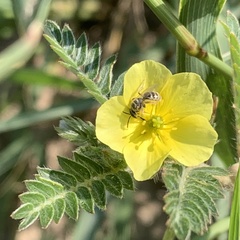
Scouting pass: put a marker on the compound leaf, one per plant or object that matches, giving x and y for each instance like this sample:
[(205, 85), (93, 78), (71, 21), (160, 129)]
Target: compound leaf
[(82, 60), (190, 201)]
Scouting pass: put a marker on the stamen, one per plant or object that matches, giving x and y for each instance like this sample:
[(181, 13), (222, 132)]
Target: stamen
[(143, 132), (157, 122)]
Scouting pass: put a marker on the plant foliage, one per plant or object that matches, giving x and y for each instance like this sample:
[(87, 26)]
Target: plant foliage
[(81, 59), (201, 22), (190, 201), (94, 169), (232, 31), (82, 181)]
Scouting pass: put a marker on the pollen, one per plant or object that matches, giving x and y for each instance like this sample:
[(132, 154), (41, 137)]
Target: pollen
[(157, 122)]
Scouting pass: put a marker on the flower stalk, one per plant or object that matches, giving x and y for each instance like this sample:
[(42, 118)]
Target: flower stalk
[(185, 38)]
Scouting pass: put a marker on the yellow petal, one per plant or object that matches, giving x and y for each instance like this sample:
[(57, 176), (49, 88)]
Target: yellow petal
[(193, 141), (144, 76), (144, 156), (186, 94), (111, 124)]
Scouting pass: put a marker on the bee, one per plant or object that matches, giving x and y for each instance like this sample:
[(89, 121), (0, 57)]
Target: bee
[(151, 97), (138, 104)]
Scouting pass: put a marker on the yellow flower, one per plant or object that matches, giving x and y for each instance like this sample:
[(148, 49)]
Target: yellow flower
[(175, 124)]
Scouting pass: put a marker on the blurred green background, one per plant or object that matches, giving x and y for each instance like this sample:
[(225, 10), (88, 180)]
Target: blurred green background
[(36, 91)]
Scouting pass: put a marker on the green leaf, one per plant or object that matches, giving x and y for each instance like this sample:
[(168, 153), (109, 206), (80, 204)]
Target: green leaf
[(235, 52), (32, 197), (51, 206), (22, 211), (117, 88), (82, 183), (58, 188), (26, 222), (77, 170), (98, 193), (92, 65), (53, 30), (194, 202), (201, 22), (190, 201), (83, 62), (183, 229), (85, 199), (77, 131), (105, 76), (39, 187), (63, 178), (213, 171), (59, 209), (232, 23), (113, 185), (44, 173), (46, 215), (219, 227), (25, 211), (205, 197), (81, 49), (72, 207), (46, 205), (232, 30), (94, 168), (126, 180), (68, 40)]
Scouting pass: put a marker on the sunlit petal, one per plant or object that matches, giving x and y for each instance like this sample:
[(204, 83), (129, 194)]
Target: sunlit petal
[(193, 140), (185, 94), (113, 126), (144, 76), (144, 156)]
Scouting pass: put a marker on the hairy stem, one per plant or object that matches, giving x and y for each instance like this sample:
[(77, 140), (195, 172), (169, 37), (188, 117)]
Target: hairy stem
[(185, 38)]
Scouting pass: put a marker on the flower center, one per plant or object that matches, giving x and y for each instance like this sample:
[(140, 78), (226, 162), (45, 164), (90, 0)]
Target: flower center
[(157, 122)]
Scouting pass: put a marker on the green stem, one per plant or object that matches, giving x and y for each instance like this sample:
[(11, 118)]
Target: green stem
[(185, 38), (169, 234), (217, 64)]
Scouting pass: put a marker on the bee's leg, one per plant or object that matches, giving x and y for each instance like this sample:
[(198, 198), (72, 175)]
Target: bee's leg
[(128, 118), (128, 121)]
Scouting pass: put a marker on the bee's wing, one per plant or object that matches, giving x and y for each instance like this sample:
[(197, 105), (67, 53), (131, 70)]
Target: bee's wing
[(143, 89)]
